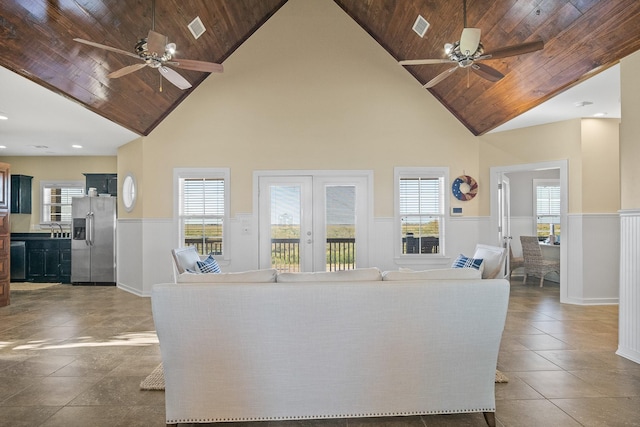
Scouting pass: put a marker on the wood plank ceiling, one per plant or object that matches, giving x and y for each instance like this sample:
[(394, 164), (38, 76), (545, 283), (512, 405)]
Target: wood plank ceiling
[(581, 37)]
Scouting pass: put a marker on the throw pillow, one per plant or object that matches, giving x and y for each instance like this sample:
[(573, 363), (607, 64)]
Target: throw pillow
[(466, 262), (208, 265)]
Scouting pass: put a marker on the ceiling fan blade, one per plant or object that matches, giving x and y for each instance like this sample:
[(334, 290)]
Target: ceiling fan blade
[(192, 64), (109, 48), (469, 41), (156, 42), (440, 77), (174, 78), (487, 72), (517, 49), (126, 70), (424, 61)]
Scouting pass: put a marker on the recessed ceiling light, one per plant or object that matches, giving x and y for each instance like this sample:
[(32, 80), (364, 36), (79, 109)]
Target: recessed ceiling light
[(3, 116), (582, 103), (599, 114), (76, 146), (2, 147)]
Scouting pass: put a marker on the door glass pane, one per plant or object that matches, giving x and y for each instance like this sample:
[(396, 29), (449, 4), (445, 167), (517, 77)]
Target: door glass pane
[(285, 227), (341, 227)]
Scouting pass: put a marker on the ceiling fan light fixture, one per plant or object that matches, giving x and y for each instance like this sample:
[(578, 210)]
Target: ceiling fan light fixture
[(448, 48), (171, 48)]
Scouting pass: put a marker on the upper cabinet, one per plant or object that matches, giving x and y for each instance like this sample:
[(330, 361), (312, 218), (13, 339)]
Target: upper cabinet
[(21, 194), (104, 183)]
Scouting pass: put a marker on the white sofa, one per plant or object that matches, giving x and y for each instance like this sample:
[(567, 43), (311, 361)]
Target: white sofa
[(329, 349)]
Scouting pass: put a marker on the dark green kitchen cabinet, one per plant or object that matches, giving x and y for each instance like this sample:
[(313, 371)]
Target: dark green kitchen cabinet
[(104, 183), (48, 260), (21, 194)]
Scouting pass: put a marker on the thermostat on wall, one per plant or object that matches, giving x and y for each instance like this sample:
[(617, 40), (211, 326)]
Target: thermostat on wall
[(456, 211)]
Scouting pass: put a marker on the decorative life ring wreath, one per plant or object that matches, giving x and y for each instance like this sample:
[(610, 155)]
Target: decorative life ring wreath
[(464, 188)]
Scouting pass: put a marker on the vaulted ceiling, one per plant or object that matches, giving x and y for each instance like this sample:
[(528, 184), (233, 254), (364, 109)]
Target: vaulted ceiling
[(581, 37)]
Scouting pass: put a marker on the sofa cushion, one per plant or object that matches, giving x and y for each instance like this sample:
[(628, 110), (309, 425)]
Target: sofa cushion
[(357, 275), (466, 262), (436, 274), (251, 276), (208, 265)]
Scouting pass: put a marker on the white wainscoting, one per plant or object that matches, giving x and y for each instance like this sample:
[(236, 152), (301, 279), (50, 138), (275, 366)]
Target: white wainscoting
[(592, 240), (629, 315)]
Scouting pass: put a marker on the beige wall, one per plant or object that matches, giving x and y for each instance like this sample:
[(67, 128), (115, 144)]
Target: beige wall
[(629, 131), (52, 168), (306, 94), (130, 161), (600, 166), (590, 146)]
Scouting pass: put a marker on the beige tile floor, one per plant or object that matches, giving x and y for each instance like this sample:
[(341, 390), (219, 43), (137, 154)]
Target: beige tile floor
[(74, 356)]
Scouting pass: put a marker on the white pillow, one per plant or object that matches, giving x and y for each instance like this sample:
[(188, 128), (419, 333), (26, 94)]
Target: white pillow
[(252, 276), (357, 275), (186, 258), (493, 257), (436, 274)]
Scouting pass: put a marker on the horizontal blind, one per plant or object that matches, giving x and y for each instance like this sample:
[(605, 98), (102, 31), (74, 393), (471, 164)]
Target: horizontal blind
[(202, 197), (548, 203), (420, 196), (57, 202)]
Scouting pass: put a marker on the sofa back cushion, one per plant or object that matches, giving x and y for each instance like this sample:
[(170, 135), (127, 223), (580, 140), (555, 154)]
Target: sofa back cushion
[(251, 276), (357, 275), (436, 274)]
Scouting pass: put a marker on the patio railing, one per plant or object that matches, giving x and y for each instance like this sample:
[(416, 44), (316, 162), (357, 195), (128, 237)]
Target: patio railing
[(285, 253)]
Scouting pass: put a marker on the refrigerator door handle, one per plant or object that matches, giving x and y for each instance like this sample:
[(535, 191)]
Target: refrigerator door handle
[(89, 235)]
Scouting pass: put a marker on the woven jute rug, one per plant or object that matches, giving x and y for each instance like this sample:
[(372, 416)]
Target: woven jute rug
[(155, 380)]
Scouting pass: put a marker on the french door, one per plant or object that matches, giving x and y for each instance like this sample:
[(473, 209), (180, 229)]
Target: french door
[(504, 216), (316, 222)]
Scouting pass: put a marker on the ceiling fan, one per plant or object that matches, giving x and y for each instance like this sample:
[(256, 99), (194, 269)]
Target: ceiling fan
[(466, 53), (155, 51)]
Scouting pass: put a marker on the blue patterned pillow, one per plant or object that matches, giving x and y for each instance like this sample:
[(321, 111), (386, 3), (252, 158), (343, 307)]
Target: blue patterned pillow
[(465, 262), (208, 265)]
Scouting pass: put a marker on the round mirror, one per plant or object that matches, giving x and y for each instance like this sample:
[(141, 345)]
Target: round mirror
[(129, 192)]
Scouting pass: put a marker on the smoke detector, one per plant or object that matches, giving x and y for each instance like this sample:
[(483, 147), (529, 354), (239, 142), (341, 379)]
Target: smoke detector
[(197, 27)]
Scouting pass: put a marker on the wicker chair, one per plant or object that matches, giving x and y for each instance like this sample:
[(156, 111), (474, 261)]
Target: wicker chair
[(514, 262), (534, 264)]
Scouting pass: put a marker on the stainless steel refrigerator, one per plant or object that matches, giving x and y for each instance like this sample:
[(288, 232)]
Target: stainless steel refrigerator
[(93, 240)]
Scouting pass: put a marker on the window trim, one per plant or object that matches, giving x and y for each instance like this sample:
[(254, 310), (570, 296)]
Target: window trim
[(212, 173), (421, 172), (56, 184)]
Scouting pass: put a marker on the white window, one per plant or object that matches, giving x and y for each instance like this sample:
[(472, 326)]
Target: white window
[(203, 209), (546, 205), (420, 209), (55, 206)]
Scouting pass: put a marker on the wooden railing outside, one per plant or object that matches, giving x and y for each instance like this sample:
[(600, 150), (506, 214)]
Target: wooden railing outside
[(285, 253)]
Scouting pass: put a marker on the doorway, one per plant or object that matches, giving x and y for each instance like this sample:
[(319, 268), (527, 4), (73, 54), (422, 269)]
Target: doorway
[(317, 221), (505, 223)]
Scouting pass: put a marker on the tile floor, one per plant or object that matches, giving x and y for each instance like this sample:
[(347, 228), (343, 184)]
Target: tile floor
[(75, 355)]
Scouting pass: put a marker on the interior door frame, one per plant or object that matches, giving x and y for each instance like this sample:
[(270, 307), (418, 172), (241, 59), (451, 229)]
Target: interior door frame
[(334, 177), (563, 165)]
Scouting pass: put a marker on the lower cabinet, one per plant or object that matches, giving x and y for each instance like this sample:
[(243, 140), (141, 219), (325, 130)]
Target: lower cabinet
[(49, 260)]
